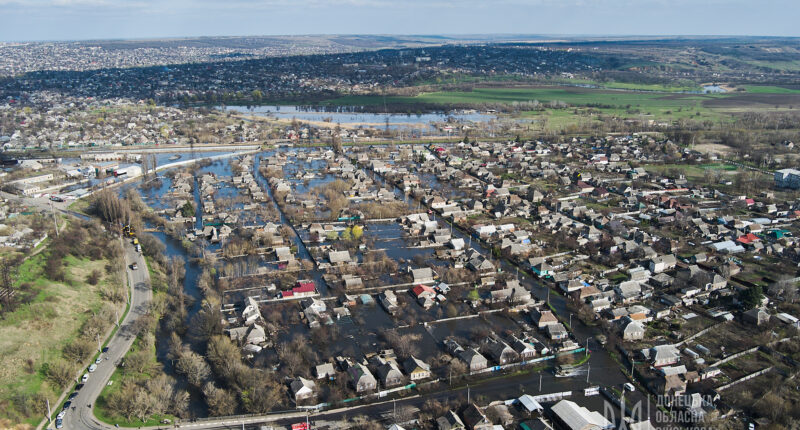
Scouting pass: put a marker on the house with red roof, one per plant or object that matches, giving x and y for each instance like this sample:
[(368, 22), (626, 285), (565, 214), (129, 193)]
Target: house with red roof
[(423, 291), (748, 239)]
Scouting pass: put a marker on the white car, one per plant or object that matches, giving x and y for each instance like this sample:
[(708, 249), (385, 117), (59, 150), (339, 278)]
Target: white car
[(61, 414), (629, 387), (85, 378), (92, 367)]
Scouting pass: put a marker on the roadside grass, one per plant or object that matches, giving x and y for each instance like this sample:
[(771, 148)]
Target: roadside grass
[(101, 410), (80, 206), (37, 331)]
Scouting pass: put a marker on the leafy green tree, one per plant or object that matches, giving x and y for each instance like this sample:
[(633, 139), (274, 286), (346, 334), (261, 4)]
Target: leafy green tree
[(187, 210), (751, 297)]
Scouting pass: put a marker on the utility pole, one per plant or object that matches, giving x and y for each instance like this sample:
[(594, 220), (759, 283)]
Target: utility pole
[(540, 382), (586, 350), (589, 369), (570, 320), (49, 412), (54, 217)]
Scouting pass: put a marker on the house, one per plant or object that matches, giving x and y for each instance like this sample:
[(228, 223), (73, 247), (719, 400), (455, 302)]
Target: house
[(628, 291), (416, 369), (303, 388), (475, 419), (546, 318), (525, 349), (252, 335), (633, 330), (530, 405), (662, 355), (556, 331), (540, 267), (474, 360), (449, 421), (423, 275), (361, 378), (352, 282), (388, 300), (339, 257), (501, 352), (568, 415), (250, 313), (787, 178), (755, 316), (390, 375), (425, 295), (512, 295), (662, 263), (325, 371)]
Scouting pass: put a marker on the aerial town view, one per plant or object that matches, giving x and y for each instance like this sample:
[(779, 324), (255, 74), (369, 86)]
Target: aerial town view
[(336, 214)]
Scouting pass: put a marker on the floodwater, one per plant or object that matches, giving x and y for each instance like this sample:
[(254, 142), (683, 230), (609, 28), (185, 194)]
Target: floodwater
[(713, 89), (361, 333), (345, 115)]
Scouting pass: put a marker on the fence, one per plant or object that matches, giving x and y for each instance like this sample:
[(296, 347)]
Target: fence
[(734, 356), (527, 362), (745, 378)]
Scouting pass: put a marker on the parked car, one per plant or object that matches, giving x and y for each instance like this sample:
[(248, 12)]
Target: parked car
[(59, 423), (92, 367), (134, 266), (105, 349), (85, 378)]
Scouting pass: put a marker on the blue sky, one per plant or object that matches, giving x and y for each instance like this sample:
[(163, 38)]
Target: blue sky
[(87, 19)]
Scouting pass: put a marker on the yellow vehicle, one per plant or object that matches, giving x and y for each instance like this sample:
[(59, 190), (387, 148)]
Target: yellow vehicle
[(135, 240)]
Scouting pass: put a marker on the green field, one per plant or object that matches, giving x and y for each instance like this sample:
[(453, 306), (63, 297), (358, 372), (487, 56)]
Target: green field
[(573, 96), (769, 89)]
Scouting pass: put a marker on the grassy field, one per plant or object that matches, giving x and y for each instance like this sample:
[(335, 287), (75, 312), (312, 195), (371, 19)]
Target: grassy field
[(663, 105), (571, 95), (36, 332), (769, 89)]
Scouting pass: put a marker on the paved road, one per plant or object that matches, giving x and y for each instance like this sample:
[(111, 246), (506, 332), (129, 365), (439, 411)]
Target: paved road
[(82, 416), (494, 389)]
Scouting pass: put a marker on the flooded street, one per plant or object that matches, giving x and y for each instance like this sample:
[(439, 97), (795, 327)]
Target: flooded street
[(362, 332)]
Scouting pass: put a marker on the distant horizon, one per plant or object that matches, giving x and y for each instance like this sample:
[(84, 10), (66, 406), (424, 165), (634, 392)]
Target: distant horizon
[(577, 37), (82, 20)]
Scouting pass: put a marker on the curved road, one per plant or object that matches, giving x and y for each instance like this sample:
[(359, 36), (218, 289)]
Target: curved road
[(81, 414)]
